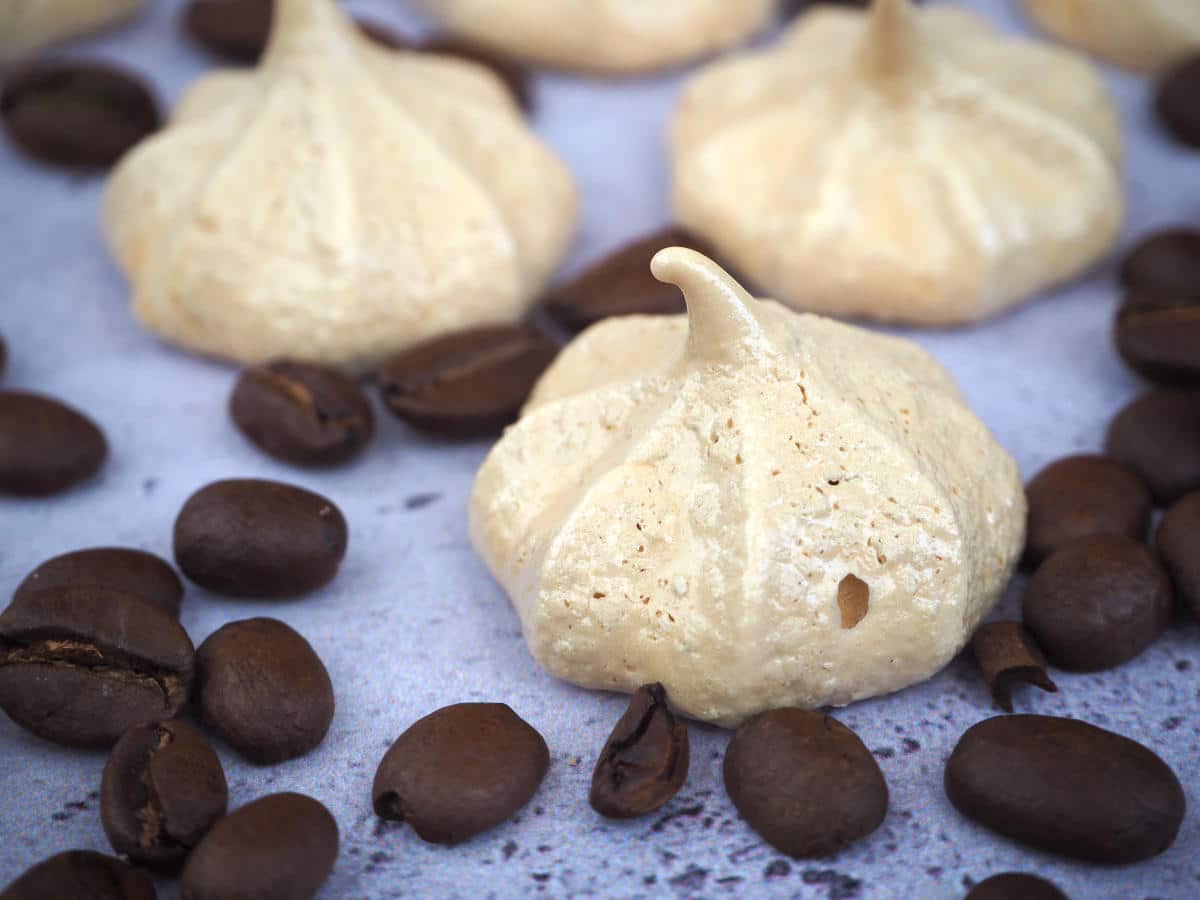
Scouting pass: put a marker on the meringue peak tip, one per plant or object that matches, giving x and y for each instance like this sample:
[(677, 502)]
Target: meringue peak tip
[(891, 33)]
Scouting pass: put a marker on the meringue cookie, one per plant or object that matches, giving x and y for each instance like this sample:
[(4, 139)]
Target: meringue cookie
[(606, 35), (755, 507), (1142, 35), (29, 25), (901, 164), (339, 203)]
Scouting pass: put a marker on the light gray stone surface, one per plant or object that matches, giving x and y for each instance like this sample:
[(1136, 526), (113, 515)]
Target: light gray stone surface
[(413, 622)]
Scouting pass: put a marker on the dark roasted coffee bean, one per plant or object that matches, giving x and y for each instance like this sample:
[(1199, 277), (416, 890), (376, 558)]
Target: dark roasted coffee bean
[(1158, 436), (621, 284), (1098, 603), (302, 413), (80, 875), (644, 763), (1177, 101), (1083, 496), (280, 847), (1158, 336), (460, 771), (1165, 263), (468, 384), (1015, 886), (81, 665), (116, 568), (82, 115), (805, 782), (511, 73), (262, 687), (45, 446), (253, 538), (163, 788), (1178, 542), (1007, 655), (1066, 787)]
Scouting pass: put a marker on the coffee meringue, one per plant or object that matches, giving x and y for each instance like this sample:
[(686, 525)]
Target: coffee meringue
[(1142, 35), (29, 25), (901, 164), (339, 203), (606, 35), (755, 507)]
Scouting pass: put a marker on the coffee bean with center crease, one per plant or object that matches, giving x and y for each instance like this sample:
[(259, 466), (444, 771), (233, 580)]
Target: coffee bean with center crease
[(280, 847), (804, 782), (121, 569), (1178, 542), (467, 384), (81, 665), (1177, 101), (1066, 787), (253, 538), (45, 446), (1158, 436), (80, 875), (262, 687), (302, 413), (1015, 886), (163, 787), (460, 771), (79, 115)]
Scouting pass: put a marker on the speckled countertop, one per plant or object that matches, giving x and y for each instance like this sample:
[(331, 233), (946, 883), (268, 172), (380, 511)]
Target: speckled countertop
[(413, 622)]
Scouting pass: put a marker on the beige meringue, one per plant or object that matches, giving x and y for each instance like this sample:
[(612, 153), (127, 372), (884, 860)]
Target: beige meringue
[(685, 500), (605, 35), (901, 164), (339, 203), (29, 25), (1142, 35)]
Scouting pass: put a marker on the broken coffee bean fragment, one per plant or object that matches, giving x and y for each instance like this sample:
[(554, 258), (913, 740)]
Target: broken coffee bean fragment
[(80, 875), (45, 446), (116, 568), (1007, 656), (1015, 886)]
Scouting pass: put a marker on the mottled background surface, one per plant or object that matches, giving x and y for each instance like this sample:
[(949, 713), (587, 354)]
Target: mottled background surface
[(414, 622)]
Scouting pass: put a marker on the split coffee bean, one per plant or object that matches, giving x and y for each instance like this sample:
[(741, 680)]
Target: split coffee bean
[(460, 771), (302, 413), (644, 763), (1007, 655), (1098, 603), (79, 115), (254, 538), (1158, 436), (80, 875), (1015, 886), (1177, 101), (1066, 787), (262, 687), (804, 782), (1178, 542), (280, 847), (467, 384), (122, 569), (1083, 496), (81, 665), (514, 77), (45, 446), (163, 787)]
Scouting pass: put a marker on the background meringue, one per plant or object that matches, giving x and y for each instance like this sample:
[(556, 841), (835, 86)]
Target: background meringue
[(1142, 35), (29, 25)]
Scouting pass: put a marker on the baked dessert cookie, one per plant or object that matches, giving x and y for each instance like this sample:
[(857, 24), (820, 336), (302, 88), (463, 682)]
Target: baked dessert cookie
[(1142, 35)]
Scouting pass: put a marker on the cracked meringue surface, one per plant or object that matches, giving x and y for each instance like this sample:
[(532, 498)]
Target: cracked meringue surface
[(1141, 35), (29, 25)]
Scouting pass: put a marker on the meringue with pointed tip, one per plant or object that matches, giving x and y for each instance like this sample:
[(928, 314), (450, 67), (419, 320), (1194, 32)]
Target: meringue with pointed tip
[(27, 26), (339, 203), (900, 164), (1141, 35), (755, 507)]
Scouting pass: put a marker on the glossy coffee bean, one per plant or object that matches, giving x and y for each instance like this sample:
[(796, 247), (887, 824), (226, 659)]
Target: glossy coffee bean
[(81, 665), (1158, 436), (1177, 101), (45, 446), (1066, 787), (644, 763), (804, 782), (80, 875), (1158, 336), (302, 413), (253, 538), (1015, 886), (280, 847), (460, 771), (1178, 543), (262, 687), (514, 76), (163, 787), (1165, 263), (129, 571)]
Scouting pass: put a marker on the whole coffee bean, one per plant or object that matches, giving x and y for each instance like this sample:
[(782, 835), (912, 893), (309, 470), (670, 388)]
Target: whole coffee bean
[(163, 788), (1098, 603), (805, 782), (1158, 436), (1158, 336), (302, 413), (80, 875), (280, 847), (235, 29), (81, 665), (253, 538), (1007, 656), (262, 687), (512, 74), (1066, 787), (1164, 263), (468, 384), (82, 115), (460, 771), (1083, 496), (135, 572), (1015, 886), (1178, 542), (45, 446), (1177, 101), (644, 763)]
